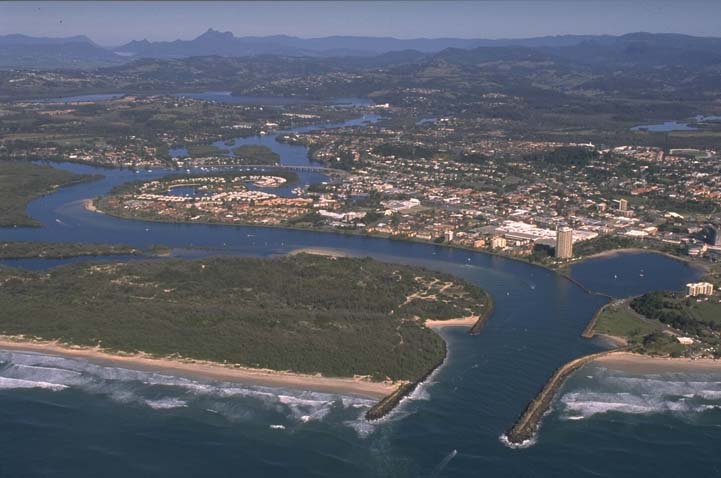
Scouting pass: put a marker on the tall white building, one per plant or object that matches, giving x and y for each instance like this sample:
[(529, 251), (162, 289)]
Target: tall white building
[(699, 288), (564, 243)]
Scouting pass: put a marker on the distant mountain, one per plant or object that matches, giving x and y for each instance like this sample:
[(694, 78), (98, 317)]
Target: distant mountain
[(214, 42), (641, 49), (644, 50), (21, 51), (17, 39)]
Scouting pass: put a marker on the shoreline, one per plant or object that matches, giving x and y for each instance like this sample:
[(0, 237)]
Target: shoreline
[(205, 369), (631, 250), (411, 240), (468, 321), (562, 270), (640, 363), (89, 205), (320, 251)]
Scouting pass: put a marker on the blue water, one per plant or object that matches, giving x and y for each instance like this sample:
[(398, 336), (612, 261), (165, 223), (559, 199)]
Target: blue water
[(62, 417), (292, 155), (631, 273)]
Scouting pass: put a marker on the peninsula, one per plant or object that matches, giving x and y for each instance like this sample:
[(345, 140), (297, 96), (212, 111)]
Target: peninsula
[(21, 182), (295, 320)]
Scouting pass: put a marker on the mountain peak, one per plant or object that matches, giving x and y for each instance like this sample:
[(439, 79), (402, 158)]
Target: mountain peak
[(215, 34)]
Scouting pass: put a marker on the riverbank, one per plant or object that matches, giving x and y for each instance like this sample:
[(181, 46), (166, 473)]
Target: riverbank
[(332, 252), (630, 250), (320, 251), (205, 369)]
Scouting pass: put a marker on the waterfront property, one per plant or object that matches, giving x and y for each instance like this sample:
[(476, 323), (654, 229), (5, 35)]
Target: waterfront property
[(699, 288)]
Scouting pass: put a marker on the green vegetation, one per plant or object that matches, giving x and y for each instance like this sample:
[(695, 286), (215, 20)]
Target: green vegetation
[(660, 343), (201, 150), (618, 320), (652, 322), (679, 312), (255, 154), (708, 312), (305, 313), (21, 182), (604, 243), (610, 243), (48, 250)]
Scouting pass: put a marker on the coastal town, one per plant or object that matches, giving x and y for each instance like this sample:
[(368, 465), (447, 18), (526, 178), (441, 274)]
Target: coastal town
[(515, 197), (360, 239)]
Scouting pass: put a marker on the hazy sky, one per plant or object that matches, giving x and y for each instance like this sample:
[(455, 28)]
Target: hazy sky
[(112, 23)]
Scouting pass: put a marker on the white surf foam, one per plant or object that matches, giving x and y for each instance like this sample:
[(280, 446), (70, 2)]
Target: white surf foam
[(166, 403), (135, 387), (672, 393), (7, 383)]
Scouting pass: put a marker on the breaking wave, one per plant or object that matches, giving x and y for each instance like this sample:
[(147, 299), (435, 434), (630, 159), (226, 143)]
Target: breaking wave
[(166, 403), (14, 383), (159, 391), (612, 391)]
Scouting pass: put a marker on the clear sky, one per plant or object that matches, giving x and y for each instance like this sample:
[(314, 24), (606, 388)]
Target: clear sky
[(113, 23)]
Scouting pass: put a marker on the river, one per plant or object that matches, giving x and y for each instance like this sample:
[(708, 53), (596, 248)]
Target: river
[(63, 417)]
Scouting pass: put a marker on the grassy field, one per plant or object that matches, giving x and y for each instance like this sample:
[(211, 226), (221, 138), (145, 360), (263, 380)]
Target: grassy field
[(21, 182), (304, 313), (708, 311), (619, 320)]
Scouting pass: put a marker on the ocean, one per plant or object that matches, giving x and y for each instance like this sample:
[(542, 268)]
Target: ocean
[(66, 417)]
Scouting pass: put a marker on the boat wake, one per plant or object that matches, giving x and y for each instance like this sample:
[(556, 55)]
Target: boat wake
[(444, 463)]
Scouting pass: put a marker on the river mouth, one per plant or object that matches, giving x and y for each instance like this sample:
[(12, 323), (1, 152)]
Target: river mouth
[(484, 384)]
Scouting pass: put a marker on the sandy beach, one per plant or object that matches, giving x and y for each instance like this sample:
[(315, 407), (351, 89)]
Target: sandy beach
[(320, 251), (631, 250), (460, 322), (637, 363), (204, 369)]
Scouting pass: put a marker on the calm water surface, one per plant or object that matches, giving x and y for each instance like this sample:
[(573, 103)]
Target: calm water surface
[(62, 417)]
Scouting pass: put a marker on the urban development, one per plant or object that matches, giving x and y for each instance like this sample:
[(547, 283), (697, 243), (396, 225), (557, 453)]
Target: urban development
[(132, 179)]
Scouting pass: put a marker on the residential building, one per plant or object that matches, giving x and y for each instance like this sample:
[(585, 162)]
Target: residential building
[(498, 242), (564, 243), (699, 288)]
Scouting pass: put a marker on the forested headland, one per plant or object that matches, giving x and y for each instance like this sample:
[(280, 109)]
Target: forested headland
[(302, 313)]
